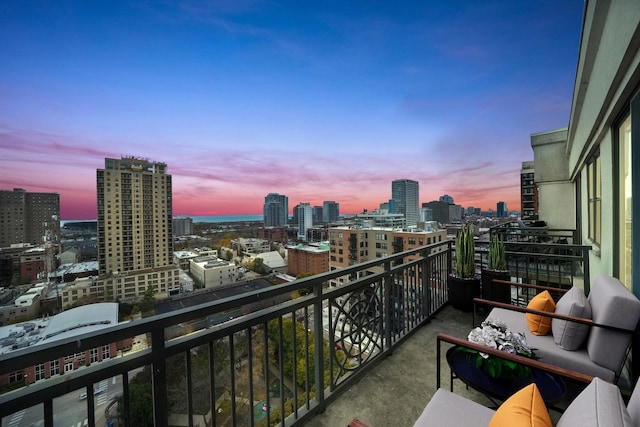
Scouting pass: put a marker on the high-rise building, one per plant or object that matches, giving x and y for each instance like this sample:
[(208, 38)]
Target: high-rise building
[(528, 191), (501, 208), (27, 217), (447, 199), (135, 228), (182, 225), (317, 214), (439, 211), (305, 220), (405, 197), (276, 210), (330, 211)]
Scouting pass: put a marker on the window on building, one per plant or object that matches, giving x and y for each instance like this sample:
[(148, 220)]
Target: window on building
[(94, 355), (412, 240), (54, 367), (40, 372), (15, 377), (594, 194), (106, 352)]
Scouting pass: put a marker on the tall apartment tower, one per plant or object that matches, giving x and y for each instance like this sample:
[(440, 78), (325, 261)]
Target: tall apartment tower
[(528, 191), (28, 217), (501, 208), (405, 197), (276, 210), (330, 211), (305, 220), (135, 228)]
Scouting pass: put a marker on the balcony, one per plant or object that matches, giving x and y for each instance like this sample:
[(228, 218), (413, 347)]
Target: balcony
[(319, 359)]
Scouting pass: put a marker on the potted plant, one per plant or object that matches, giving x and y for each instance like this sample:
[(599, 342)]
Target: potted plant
[(464, 284), (496, 269)]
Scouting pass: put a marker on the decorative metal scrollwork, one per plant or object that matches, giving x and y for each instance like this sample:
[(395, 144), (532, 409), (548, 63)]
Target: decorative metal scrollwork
[(357, 325)]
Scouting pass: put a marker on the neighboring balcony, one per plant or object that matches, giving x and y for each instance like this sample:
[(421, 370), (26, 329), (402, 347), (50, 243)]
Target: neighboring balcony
[(279, 353)]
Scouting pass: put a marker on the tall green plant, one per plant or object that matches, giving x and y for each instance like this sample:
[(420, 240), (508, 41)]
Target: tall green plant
[(465, 253), (496, 259)]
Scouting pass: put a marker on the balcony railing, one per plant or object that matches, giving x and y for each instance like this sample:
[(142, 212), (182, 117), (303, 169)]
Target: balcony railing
[(243, 360), (287, 349)]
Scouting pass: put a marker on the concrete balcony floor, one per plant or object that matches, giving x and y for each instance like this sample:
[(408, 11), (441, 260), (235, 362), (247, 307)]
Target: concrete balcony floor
[(396, 391)]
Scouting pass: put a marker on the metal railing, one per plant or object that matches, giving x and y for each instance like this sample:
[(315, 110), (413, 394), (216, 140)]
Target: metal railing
[(274, 356)]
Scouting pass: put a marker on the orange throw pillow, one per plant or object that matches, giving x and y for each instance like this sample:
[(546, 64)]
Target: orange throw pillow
[(540, 325), (524, 408)]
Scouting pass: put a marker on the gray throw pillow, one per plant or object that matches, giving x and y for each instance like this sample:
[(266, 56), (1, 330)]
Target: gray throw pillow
[(570, 335)]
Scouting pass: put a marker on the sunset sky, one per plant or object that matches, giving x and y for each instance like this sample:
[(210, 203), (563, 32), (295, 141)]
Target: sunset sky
[(318, 101)]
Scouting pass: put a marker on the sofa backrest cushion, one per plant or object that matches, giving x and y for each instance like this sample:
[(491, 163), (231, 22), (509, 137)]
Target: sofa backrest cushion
[(571, 335), (599, 404), (614, 305), (538, 324), (524, 408)]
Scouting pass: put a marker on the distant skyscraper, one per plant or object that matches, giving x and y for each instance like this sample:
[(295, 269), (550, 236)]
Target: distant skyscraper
[(305, 220), (502, 210), (276, 210), (405, 197), (135, 228), (317, 214), (330, 211), (28, 217), (447, 199), (182, 226)]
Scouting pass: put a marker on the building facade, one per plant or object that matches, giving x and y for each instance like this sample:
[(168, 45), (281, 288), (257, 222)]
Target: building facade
[(273, 234), (276, 210), (330, 211), (528, 192), (182, 226), (27, 217), (406, 199), (439, 211), (308, 259), (305, 220), (212, 272), (353, 245), (501, 209), (588, 175), (135, 228)]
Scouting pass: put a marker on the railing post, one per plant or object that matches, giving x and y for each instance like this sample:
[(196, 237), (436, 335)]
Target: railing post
[(387, 305), (159, 379), (427, 274), (319, 343)]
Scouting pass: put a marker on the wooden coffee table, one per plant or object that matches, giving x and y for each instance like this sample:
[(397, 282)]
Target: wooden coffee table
[(463, 367)]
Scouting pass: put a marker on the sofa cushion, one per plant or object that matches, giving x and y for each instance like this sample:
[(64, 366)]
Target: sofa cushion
[(538, 324), (599, 404), (523, 408), (633, 406), (448, 409), (571, 335), (614, 305), (548, 351)]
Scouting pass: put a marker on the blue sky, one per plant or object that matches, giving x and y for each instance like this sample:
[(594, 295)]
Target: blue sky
[(318, 101)]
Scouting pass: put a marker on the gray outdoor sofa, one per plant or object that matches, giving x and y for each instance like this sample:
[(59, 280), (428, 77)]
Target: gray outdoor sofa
[(612, 313), (599, 404)]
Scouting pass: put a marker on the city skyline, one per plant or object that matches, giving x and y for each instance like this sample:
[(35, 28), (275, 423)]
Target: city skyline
[(324, 102)]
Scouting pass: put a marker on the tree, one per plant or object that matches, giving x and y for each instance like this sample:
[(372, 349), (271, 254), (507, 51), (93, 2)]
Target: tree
[(140, 400)]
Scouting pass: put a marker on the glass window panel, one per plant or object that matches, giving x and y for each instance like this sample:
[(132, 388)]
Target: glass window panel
[(625, 199)]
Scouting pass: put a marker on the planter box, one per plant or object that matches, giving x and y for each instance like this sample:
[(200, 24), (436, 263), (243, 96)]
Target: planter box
[(462, 292), (492, 291)]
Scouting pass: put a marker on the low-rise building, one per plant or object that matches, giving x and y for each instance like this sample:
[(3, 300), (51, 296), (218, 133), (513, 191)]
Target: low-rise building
[(252, 246), (213, 272), (353, 245), (313, 259), (182, 259), (274, 234), (77, 321)]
